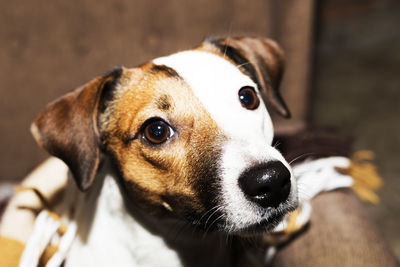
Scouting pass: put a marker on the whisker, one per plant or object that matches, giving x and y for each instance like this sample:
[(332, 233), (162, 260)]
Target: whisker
[(209, 217), (301, 156), (230, 240), (227, 43), (219, 217), (216, 207), (213, 210), (276, 144), (240, 65), (227, 238)]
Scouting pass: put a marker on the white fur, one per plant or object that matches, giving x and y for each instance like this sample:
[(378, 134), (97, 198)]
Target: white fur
[(314, 177), (109, 235), (216, 82), (240, 211)]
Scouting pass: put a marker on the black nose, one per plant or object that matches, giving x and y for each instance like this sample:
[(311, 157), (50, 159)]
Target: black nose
[(267, 184)]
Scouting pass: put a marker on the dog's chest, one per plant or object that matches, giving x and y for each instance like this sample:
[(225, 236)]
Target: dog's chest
[(108, 250), (109, 236), (114, 238)]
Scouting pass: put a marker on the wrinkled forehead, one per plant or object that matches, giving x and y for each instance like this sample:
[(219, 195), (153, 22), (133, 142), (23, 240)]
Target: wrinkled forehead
[(216, 81)]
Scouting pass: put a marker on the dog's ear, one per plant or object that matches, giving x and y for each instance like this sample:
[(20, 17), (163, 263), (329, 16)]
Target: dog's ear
[(68, 127), (262, 59)]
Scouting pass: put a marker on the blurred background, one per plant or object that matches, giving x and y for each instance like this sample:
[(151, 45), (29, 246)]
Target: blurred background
[(343, 66)]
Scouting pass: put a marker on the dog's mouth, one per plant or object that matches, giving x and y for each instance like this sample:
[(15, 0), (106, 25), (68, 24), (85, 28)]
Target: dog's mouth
[(265, 225), (217, 222)]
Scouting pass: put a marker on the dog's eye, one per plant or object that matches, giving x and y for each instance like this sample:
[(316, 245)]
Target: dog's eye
[(157, 131), (248, 97)]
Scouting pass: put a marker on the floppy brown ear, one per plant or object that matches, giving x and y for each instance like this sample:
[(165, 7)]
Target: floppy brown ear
[(67, 128), (262, 59)]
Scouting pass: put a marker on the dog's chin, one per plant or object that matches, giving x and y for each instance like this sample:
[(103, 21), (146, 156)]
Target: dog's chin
[(264, 226), (267, 222)]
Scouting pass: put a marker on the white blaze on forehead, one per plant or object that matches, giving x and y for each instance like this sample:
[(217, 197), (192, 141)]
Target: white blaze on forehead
[(216, 82)]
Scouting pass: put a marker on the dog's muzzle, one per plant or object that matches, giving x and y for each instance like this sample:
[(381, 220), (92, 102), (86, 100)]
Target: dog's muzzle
[(267, 184)]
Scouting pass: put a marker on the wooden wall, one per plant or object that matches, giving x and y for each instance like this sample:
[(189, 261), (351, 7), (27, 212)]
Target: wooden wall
[(50, 47)]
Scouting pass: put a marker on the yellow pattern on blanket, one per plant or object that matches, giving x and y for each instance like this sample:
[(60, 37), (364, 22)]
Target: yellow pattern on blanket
[(365, 175), (10, 252)]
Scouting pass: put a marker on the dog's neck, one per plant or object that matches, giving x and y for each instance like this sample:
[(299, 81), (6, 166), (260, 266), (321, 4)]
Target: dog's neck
[(111, 235)]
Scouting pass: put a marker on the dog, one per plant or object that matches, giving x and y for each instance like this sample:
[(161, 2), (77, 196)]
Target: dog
[(172, 162)]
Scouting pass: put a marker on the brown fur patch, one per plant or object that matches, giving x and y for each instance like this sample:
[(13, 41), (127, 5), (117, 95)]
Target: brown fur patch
[(163, 102), (68, 128), (155, 69), (176, 171)]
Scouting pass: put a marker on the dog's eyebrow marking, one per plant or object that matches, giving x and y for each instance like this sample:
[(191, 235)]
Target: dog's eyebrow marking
[(169, 72), (163, 102)]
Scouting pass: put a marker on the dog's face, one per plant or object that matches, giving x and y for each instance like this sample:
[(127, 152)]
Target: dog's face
[(189, 134)]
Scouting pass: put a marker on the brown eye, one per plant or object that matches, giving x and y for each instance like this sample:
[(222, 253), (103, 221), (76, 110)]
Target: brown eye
[(248, 97), (157, 131)]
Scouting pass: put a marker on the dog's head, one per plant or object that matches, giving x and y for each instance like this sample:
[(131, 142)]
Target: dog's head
[(189, 133)]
